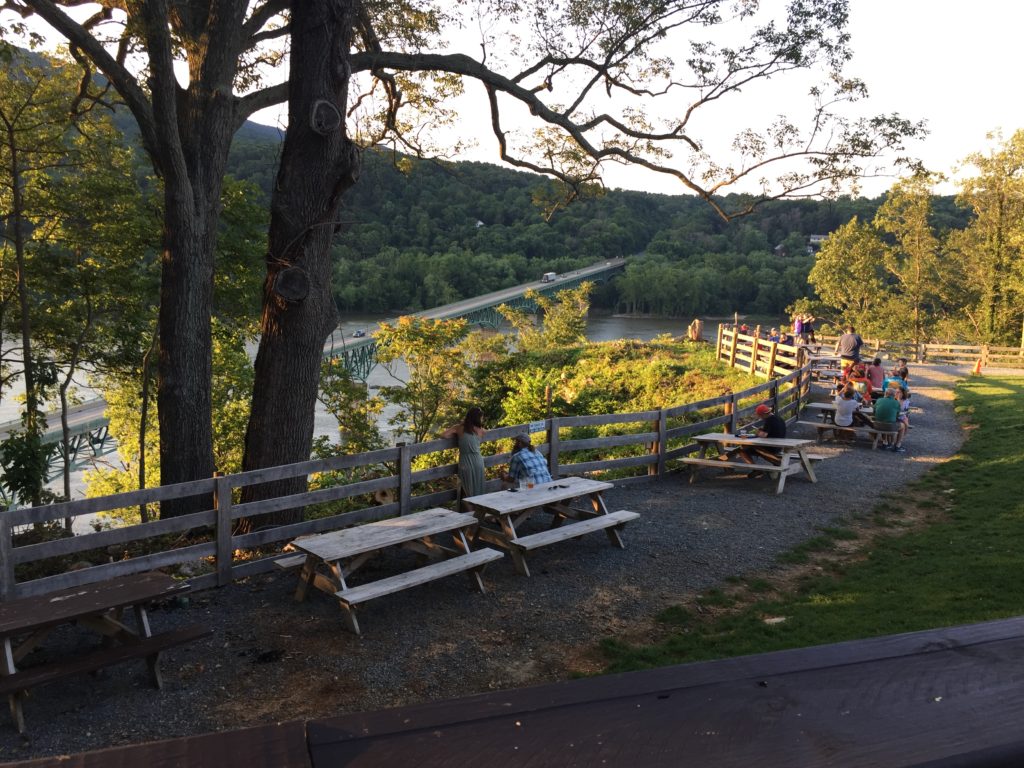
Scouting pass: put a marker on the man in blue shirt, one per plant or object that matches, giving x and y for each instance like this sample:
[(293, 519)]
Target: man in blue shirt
[(526, 463)]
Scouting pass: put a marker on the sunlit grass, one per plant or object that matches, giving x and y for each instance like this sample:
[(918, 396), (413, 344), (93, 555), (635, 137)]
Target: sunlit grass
[(963, 565)]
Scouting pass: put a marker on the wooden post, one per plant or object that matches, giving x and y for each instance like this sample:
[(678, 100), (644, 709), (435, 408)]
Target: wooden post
[(773, 351), (547, 399), (553, 441), (718, 343), (984, 355), (404, 478), (662, 439), (775, 395), (730, 410), (732, 350), (753, 354), (6, 558), (225, 548)]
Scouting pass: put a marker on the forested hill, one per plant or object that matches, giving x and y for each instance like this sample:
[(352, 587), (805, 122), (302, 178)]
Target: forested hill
[(439, 232)]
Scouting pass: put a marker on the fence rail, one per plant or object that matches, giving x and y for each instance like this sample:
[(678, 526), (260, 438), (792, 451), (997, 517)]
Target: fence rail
[(765, 358), (384, 483)]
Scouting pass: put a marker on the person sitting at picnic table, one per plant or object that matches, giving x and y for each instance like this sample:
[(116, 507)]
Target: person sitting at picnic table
[(773, 334), (771, 426), (785, 338), (860, 382), (848, 409), (848, 346), (899, 380), (471, 463), (527, 464), (887, 419), (876, 373)]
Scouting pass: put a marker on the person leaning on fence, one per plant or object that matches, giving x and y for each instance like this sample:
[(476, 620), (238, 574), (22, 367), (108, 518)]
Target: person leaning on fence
[(887, 419), (471, 463), (526, 463)]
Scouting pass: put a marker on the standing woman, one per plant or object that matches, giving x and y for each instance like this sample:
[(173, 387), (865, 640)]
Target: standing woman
[(471, 463)]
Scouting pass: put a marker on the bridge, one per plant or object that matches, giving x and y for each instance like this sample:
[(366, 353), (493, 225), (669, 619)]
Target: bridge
[(361, 356), (90, 437)]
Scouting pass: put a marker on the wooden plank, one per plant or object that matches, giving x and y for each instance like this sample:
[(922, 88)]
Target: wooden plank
[(320, 525), (740, 466), (287, 563), (306, 468), (609, 441), (606, 418), (225, 547), (337, 545), (582, 467), (418, 576), (254, 509), (572, 530), (404, 478), (102, 539), (280, 745), (68, 666), (104, 503), (700, 405), (97, 573), (7, 578), (563, 489), (36, 612)]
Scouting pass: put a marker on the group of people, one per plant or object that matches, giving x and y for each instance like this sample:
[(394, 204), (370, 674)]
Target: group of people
[(866, 396), (802, 331)]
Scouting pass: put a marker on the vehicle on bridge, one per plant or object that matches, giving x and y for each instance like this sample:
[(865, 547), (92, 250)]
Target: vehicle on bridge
[(359, 334), (549, 277)]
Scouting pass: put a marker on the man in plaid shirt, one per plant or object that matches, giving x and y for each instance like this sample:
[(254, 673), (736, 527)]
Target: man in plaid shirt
[(526, 463)]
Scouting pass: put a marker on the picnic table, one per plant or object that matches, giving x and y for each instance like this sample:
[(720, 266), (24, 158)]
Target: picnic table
[(329, 559), (781, 450), (827, 411), (500, 514), (101, 607)]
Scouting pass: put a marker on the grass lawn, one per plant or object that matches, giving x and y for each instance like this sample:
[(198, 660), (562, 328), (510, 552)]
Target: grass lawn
[(949, 550)]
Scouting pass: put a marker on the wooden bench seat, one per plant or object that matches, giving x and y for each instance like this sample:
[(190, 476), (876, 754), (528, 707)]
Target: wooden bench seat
[(290, 561), (573, 529), (147, 647), (740, 466), (475, 559), (870, 432)]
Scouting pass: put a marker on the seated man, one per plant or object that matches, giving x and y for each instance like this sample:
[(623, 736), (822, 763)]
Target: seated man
[(887, 419), (771, 426), (526, 464)]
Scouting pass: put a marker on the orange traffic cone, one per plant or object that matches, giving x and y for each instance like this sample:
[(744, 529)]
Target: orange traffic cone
[(977, 367)]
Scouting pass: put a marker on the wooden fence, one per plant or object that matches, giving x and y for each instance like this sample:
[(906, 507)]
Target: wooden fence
[(405, 478), (768, 359)]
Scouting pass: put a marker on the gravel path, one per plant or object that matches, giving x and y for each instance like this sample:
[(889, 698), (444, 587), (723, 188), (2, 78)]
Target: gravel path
[(273, 659)]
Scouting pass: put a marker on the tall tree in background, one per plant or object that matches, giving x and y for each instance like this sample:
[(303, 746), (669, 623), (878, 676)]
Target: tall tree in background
[(587, 76), (990, 251), (913, 255), (849, 276)]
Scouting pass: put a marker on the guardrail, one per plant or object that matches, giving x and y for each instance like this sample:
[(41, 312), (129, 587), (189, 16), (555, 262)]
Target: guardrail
[(380, 484)]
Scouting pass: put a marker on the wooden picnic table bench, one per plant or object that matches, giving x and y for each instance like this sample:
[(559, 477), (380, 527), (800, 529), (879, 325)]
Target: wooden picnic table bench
[(784, 450), (501, 512), (329, 559), (840, 433), (99, 607)]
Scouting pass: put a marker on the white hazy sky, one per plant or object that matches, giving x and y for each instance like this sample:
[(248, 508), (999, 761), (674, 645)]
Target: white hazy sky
[(951, 63)]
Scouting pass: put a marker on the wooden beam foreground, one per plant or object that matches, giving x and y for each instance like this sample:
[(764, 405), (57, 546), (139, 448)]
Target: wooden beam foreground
[(939, 698)]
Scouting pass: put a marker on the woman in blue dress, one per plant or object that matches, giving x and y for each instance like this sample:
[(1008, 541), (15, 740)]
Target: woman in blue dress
[(471, 463)]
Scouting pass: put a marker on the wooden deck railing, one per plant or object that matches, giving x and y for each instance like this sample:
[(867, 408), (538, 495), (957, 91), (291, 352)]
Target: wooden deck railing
[(622, 446)]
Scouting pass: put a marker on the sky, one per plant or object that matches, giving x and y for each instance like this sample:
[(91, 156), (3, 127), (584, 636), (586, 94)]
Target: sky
[(952, 64)]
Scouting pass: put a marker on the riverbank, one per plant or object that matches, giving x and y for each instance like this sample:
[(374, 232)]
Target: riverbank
[(273, 659)]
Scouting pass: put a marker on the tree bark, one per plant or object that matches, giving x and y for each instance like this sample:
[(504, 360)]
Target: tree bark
[(318, 164)]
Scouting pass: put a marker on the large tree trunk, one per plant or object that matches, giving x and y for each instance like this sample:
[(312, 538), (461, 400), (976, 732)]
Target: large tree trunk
[(196, 128), (318, 164)]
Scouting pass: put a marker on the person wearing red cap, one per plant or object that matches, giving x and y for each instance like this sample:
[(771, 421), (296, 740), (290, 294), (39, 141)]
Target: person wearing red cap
[(771, 426)]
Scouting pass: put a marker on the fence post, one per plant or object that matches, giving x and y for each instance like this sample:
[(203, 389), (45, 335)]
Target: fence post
[(6, 557), (771, 359), (775, 396), (553, 441), (662, 439), (984, 355), (753, 355), (732, 350), (225, 552), (718, 344), (404, 478), (730, 411)]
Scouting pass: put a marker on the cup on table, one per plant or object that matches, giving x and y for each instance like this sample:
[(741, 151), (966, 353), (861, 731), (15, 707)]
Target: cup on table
[(529, 482)]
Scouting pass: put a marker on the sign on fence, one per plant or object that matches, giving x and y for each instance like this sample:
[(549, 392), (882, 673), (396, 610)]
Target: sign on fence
[(537, 426)]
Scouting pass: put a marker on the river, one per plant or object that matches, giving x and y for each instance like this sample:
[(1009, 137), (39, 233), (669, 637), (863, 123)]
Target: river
[(600, 328)]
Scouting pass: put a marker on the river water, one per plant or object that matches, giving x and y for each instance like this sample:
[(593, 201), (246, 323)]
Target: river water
[(603, 328)]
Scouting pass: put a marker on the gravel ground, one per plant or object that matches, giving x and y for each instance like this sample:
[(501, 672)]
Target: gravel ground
[(272, 659)]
